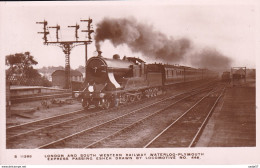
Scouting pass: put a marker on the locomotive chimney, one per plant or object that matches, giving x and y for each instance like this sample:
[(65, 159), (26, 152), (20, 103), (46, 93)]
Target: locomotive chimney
[(99, 53)]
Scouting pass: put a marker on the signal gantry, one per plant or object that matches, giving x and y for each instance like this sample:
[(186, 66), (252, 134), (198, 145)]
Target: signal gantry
[(67, 45)]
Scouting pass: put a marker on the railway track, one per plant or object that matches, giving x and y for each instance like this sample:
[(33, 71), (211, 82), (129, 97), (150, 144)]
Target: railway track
[(25, 129), (17, 131), (139, 133), (186, 129), (90, 136), (17, 136)]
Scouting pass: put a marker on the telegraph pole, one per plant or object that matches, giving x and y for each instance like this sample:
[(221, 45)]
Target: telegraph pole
[(67, 45)]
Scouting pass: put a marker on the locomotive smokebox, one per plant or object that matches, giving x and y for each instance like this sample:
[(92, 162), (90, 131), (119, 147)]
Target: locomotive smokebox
[(102, 70)]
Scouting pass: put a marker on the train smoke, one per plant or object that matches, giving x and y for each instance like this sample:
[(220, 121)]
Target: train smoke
[(141, 38), (211, 59)]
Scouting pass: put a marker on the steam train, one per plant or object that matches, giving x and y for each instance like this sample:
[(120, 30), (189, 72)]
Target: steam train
[(113, 81), (225, 77)]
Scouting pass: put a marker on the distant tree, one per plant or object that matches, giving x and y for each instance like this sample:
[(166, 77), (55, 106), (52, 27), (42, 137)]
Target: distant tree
[(22, 64), (50, 69), (21, 69)]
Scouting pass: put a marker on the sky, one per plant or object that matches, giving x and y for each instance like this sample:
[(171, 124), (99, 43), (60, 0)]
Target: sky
[(230, 28)]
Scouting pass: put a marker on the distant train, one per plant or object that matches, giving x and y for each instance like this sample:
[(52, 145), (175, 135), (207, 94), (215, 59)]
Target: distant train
[(113, 81), (226, 77)]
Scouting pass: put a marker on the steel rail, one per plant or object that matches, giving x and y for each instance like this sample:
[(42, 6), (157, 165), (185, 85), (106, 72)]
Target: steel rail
[(53, 125), (60, 115), (62, 122), (44, 119), (205, 120), (78, 118), (175, 121), (100, 125), (139, 121)]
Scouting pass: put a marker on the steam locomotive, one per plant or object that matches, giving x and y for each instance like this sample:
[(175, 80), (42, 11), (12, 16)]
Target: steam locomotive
[(113, 81), (225, 77)]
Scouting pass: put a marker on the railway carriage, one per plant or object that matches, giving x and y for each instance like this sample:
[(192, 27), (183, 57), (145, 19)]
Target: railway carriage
[(173, 74)]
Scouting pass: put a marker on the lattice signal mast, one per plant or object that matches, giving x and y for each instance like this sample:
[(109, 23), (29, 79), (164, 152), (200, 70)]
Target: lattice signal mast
[(68, 45)]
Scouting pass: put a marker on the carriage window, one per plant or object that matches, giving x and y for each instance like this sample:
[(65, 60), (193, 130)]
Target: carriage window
[(169, 73)]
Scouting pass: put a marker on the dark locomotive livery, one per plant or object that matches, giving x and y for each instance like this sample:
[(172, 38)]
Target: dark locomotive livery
[(110, 82)]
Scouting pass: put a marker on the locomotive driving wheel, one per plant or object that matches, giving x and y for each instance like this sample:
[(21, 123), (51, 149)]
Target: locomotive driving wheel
[(139, 96), (124, 98), (132, 98), (155, 90), (147, 93), (151, 92)]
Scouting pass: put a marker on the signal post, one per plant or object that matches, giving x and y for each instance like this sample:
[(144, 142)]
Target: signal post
[(68, 45)]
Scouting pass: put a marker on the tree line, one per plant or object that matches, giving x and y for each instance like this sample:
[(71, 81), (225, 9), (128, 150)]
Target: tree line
[(20, 70), (51, 69)]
